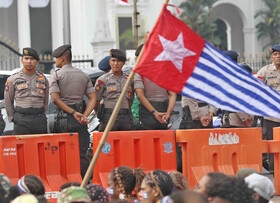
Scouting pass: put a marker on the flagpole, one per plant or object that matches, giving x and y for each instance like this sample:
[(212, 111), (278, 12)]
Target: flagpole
[(111, 122)]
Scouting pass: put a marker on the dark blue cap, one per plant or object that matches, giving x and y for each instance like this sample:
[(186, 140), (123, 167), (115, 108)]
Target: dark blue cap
[(232, 54), (104, 64), (246, 66), (275, 48)]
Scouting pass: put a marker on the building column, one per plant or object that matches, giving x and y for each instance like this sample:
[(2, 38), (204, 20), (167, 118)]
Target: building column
[(24, 34), (57, 23), (249, 37), (78, 28)]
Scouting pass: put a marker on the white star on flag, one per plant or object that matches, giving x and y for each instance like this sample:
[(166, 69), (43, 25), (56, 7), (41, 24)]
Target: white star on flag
[(174, 51)]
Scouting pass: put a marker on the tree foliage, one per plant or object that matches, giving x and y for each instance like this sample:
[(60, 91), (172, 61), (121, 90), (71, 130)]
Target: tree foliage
[(269, 26), (197, 15)]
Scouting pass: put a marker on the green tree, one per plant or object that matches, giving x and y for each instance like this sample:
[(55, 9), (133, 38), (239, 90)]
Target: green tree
[(269, 25), (197, 15)]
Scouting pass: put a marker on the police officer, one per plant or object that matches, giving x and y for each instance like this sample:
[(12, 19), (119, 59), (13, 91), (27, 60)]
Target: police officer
[(270, 75), (68, 85), (156, 102), (30, 91), (198, 114), (104, 64), (109, 87), (237, 119)]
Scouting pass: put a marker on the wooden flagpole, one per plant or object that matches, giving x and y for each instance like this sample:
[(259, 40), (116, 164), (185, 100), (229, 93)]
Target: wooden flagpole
[(111, 122)]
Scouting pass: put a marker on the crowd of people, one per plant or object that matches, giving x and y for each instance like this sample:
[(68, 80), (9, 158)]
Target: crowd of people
[(146, 106), (126, 184)]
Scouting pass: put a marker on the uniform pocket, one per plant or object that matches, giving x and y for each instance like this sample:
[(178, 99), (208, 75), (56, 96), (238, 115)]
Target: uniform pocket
[(111, 92), (22, 89), (40, 89)]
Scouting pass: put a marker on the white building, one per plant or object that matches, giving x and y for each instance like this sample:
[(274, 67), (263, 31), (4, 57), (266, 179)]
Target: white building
[(93, 27)]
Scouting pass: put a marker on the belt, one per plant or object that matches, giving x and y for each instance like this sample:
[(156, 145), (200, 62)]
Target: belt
[(29, 111), (202, 104), (122, 111)]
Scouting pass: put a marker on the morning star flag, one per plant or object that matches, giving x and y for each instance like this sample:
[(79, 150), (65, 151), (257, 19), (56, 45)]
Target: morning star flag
[(178, 59)]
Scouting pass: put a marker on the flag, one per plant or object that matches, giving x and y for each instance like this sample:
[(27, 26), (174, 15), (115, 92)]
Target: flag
[(178, 59), (122, 2)]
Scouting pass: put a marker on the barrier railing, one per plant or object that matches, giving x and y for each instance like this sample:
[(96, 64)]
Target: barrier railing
[(53, 157), (151, 149)]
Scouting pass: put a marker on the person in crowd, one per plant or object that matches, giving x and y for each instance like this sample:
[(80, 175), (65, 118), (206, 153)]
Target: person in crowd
[(237, 119), (155, 186), (109, 87), (30, 184), (229, 189), (97, 193), (124, 183), (244, 172), (30, 91), (68, 85), (26, 198), (270, 75), (262, 186), (69, 184), (157, 103), (73, 194), (104, 64), (179, 180), (187, 197)]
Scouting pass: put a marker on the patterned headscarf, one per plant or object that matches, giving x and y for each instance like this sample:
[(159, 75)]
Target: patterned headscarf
[(96, 192)]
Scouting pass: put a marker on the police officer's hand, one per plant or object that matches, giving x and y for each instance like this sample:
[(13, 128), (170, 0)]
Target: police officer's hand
[(165, 118), (78, 116), (158, 116), (84, 120), (204, 120), (248, 122)]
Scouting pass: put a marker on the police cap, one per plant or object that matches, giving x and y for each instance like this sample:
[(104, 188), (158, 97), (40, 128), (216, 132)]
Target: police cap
[(30, 52), (58, 52), (246, 66), (275, 48), (116, 53), (232, 54), (138, 50), (104, 64)]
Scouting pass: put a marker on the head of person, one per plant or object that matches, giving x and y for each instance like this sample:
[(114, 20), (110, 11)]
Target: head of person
[(188, 197), (30, 59), (117, 60), (179, 180), (104, 64), (229, 190), (275, 55), (26, 198), (262, 187), (68, 184), (63, 55), (138, 50), (123, 180), (5, 188), (246, 66), (231, 54), (206, 180), (244, 172), (30, 184), (156, 185), (73, 194), (97, 193)]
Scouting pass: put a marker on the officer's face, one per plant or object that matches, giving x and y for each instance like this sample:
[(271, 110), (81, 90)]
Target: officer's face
[(29, 63), (275, 57), (116, 64)]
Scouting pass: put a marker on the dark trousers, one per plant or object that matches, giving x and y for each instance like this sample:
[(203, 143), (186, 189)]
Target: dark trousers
[(2, 124), (148, 119), (123, 122), (29, 121), (267, 134), (67, 123)]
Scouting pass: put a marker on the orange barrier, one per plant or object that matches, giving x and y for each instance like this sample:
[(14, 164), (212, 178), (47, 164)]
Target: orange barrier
[(150, 149), (220, 150), (274, 147), (54, 158)]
